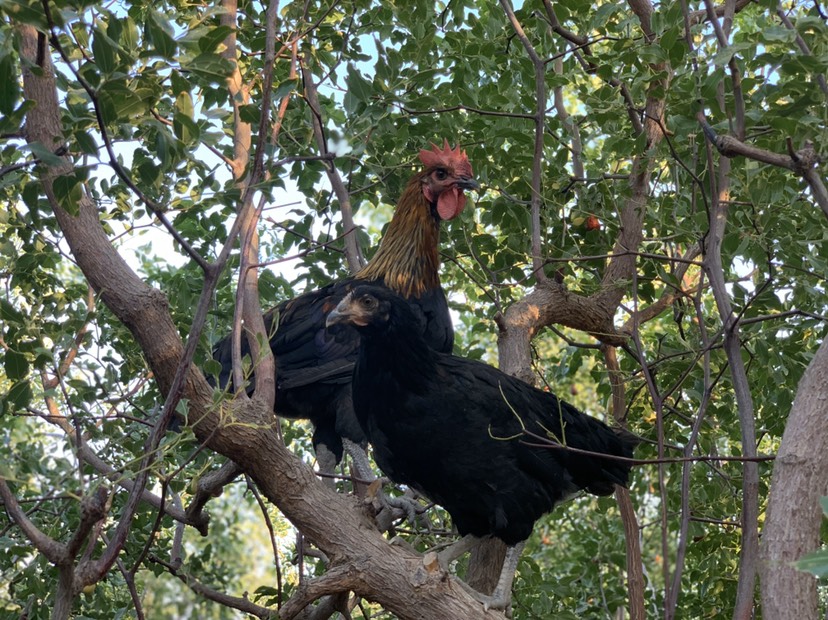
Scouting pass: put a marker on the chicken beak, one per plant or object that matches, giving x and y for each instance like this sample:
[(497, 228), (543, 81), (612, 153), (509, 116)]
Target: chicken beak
[(340, 314), (467, 183)]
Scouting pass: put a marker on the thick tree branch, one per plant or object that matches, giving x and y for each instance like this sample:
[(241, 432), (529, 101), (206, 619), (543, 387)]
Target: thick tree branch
[(209, 486), (248, 308), (93, 509), (793, 519), (54, 551), (337, 579)]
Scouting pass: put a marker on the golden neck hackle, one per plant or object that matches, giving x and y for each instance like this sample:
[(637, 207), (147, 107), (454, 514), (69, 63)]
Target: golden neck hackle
[(408, 259)]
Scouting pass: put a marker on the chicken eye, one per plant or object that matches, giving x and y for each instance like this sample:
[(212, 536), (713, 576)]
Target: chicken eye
[(440, 174), (368, 302)]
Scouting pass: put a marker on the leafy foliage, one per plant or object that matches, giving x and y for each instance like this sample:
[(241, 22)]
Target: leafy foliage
[(149, 80)]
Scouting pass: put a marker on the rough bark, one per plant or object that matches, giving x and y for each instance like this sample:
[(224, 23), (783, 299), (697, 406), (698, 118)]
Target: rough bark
[(794, 516)]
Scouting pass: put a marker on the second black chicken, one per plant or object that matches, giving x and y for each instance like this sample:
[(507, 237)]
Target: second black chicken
[(456, 430)]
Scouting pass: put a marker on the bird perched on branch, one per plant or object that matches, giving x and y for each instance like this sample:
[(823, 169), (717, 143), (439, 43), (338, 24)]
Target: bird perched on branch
[(467, 435), (313, 367)]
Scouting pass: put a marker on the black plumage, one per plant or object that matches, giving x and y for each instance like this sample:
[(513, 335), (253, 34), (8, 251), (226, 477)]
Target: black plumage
[(452, 428), (313, 366)]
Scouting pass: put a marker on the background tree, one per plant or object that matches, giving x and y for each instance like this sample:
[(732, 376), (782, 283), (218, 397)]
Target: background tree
[(650, 243)]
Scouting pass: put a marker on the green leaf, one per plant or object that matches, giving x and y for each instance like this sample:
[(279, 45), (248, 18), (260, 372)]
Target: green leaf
[(16, 365), (104, 51), (215, 37), (9, 313), (29, 13), (249, 114), (815, 563), (10, 92), (284, 88), (184, 104), (18, 397), (212, 67), (44, 155), (119, 102), (68, 192), (358, 86), (158, 33), (185, 129), (86, 142)]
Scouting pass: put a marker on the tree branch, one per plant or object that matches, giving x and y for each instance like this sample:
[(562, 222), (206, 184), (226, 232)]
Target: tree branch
[(233, 602), (803, 162), (732, 345), (52, 550), (540, 130), (352, 250), (635, 565), (793, 519)]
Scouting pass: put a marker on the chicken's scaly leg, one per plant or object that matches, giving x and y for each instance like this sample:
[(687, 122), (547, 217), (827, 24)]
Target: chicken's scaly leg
[(501, 598)]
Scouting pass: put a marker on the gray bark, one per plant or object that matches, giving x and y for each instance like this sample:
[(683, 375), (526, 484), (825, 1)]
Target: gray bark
[(800, 478)]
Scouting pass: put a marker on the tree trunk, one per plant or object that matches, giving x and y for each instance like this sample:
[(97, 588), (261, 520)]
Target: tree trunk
[(800, 478)]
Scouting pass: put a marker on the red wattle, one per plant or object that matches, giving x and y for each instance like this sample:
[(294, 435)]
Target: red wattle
[(451, 203)]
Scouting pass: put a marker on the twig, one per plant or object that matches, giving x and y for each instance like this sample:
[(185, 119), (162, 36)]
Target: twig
[(113, 159), (465, 108), (540, 128), (803, 47), (352, 250), (269, 524), (545, 442), (635, 564), (234, 602)]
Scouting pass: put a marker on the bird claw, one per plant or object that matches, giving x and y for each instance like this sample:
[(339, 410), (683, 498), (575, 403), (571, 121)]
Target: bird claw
[(390, 509), (408, 506)]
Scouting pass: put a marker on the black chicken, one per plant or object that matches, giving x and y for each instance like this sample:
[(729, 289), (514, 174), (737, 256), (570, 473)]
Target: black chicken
[(314, 368), (453, 429)]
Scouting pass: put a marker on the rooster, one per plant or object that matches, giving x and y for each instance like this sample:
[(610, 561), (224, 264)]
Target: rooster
[(313, 367), (454, 430)]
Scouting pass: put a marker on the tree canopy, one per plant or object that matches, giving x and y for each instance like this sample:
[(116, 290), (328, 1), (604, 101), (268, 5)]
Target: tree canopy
[(649, 242)]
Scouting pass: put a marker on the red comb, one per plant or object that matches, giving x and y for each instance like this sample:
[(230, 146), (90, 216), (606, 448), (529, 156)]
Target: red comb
[(452, 158)]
